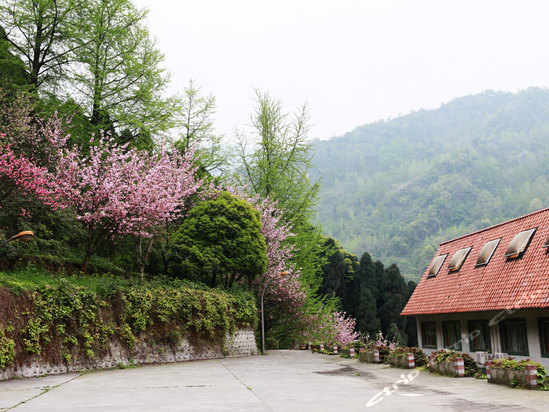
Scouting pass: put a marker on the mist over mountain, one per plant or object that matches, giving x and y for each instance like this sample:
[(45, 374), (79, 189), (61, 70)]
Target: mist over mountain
[(398, 188)]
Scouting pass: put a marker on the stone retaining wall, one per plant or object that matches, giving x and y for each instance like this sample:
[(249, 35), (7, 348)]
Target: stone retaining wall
[(367, 356), (399, 361), (513, 377), (503, 376), (241, 343)]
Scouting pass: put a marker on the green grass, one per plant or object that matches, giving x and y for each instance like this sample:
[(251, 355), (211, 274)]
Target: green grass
[(24, 280), (31, 278)]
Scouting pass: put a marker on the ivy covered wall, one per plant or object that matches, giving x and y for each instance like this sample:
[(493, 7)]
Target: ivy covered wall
[(67, 323)]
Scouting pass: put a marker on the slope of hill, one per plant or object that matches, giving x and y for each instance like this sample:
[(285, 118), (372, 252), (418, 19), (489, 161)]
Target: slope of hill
[(398, 188)]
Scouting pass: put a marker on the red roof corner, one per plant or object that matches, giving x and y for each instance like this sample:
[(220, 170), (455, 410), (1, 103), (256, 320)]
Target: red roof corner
[(501, 284)]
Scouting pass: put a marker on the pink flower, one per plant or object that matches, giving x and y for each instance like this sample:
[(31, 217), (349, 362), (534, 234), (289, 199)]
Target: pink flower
[(119, 190)]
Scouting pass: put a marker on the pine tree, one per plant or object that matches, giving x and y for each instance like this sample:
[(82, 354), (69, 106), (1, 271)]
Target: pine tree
[(367, 273), (366, 317), (278, 167), (411, 323), (394, 292)]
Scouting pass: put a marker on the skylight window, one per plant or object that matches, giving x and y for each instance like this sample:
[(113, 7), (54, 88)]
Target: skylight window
[(487, 252), (458, 259), (518, 245), (436, 265)]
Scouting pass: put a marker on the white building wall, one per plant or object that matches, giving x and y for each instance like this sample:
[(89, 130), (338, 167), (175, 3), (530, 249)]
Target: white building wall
[(530, 315)]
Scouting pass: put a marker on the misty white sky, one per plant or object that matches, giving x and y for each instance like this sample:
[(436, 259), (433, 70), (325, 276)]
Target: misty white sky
[(353, 61)]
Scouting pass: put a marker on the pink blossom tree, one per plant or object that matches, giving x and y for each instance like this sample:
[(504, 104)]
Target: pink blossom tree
[(345, 328), (331, 328), (117, 190), (29, 150), (17, 173), (285, 297), (39, 140)]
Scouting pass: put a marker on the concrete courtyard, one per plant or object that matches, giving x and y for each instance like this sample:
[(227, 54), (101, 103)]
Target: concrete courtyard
[(279, 381)]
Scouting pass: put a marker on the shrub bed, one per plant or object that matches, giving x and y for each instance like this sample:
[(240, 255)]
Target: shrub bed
[(384, 352), (510, 372), (443, 362), (419, 355)]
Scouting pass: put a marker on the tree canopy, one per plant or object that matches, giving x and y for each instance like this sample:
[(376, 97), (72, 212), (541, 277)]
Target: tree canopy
[(220, 242), (96, 54), (276, 158)]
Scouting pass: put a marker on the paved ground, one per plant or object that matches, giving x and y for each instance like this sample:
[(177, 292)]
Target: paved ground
[(279, 381)]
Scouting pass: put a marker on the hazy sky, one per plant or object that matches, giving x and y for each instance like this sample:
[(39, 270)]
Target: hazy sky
[(353, 61)]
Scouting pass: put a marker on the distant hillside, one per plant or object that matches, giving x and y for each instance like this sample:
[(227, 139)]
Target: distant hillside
[(398, 188)]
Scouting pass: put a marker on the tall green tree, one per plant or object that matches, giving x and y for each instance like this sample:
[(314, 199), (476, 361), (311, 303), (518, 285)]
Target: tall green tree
[(356, 285), (276, 158), (368, 275), (411, 321), (41, 33), (366, 317), (13, 74), (393, 296), (309, 245), (118, 72), (338, 274), (362, 296), (196, 118)]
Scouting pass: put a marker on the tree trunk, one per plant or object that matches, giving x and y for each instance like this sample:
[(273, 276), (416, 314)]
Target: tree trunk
[(85, 264), (143, 259)]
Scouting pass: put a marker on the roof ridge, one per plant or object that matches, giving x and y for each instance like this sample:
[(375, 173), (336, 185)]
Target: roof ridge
[(494, 226)]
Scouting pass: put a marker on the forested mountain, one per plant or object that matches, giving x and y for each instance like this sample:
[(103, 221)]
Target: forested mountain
[(398, 188)]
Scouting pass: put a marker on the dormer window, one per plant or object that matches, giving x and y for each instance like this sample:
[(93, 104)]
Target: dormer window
[(436, 265), (458, 259), (546, 243), (518, 245), (487, 252)]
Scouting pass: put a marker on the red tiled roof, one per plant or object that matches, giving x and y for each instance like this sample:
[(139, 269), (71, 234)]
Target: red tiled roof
[(501, 284)]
